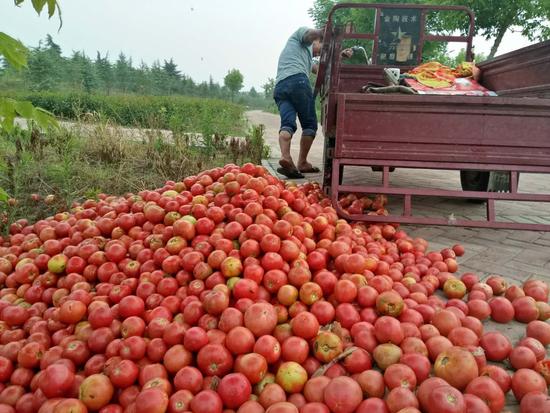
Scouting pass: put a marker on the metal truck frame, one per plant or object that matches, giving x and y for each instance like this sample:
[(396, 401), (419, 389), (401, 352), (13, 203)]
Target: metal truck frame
[(477, 135)]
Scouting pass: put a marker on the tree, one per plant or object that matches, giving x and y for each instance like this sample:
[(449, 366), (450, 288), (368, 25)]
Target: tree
[(364, 20), (202, 89), (143, 80), (53, 47), (171, 69), (158, 78), (188, 86), (104, 72), (123, 72), (494, 18), (45, 68), (89, 77), (253, 93), (268, 88), (214, 88), (41, 73), (233, 81), (173, 76)]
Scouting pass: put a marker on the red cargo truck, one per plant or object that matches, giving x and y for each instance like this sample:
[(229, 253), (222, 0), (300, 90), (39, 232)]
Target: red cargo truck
[(482, 137)]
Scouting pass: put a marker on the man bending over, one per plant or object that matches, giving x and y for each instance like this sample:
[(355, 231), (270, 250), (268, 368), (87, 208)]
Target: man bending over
[(294, 96)]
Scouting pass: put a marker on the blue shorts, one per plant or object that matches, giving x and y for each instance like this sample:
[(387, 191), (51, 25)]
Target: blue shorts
[(294, 96)]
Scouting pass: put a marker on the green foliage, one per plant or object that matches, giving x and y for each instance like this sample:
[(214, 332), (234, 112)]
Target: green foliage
[(268, 88), (178, 113), (49, 70), (495, 17), (38, 5), (10, 108), (104, 73), (258, 148), (13, 51), (41, 73), (233, 81), (363, 22), (15, 54), (3, 196), (253, 93)]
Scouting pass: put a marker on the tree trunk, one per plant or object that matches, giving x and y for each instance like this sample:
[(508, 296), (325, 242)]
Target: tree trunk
[(500, 35)]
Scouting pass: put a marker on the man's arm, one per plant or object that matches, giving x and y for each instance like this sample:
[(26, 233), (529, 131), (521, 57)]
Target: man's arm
[(313, 34)]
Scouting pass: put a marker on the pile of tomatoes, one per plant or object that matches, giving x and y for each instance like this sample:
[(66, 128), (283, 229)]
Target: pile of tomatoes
[(231, 292), (354, 205)]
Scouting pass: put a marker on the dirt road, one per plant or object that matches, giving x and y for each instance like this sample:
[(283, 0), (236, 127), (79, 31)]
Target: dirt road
[(272, 123)]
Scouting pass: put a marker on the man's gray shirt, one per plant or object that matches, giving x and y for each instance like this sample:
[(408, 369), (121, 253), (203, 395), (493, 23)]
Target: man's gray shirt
[(296, 57)]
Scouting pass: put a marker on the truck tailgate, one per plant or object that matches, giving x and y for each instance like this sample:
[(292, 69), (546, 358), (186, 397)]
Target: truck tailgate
[(465, 129)]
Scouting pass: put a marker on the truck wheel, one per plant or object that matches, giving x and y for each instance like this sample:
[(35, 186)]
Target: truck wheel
[(474, 180)]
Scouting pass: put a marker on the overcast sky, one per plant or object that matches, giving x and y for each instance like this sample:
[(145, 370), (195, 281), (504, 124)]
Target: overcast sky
[(204, 37)]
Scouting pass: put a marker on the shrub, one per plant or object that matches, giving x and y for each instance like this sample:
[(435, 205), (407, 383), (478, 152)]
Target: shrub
[(180, 114)]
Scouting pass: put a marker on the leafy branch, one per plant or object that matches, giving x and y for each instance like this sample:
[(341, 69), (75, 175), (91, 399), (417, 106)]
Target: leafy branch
[(39, 5), (15, 54), (10, 108)]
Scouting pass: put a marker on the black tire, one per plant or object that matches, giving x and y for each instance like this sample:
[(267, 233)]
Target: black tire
[(474, 180)]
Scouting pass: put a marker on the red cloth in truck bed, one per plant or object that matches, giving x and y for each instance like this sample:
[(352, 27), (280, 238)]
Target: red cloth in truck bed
[(461, 86)]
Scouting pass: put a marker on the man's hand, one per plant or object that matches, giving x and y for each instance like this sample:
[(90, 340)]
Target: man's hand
[(315, 68), (313, 34), (347, 53)]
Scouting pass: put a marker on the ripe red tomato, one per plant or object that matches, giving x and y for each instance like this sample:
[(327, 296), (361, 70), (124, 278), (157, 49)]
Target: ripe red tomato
[(446, 399), (124, 374), (535, 401), (401, 398), (489, 391), (207, 401), (214, 360), (343, 395), (151, 400), (56, 380), (295, 349), (269, 347), (419, 363), (234, 389), (96, 391), (525, 381), (502, 310), (305, 325), (456, 366), (540, 331), (496, 345), (260, 319), (400, 375), (239, 340), (522, 357)]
